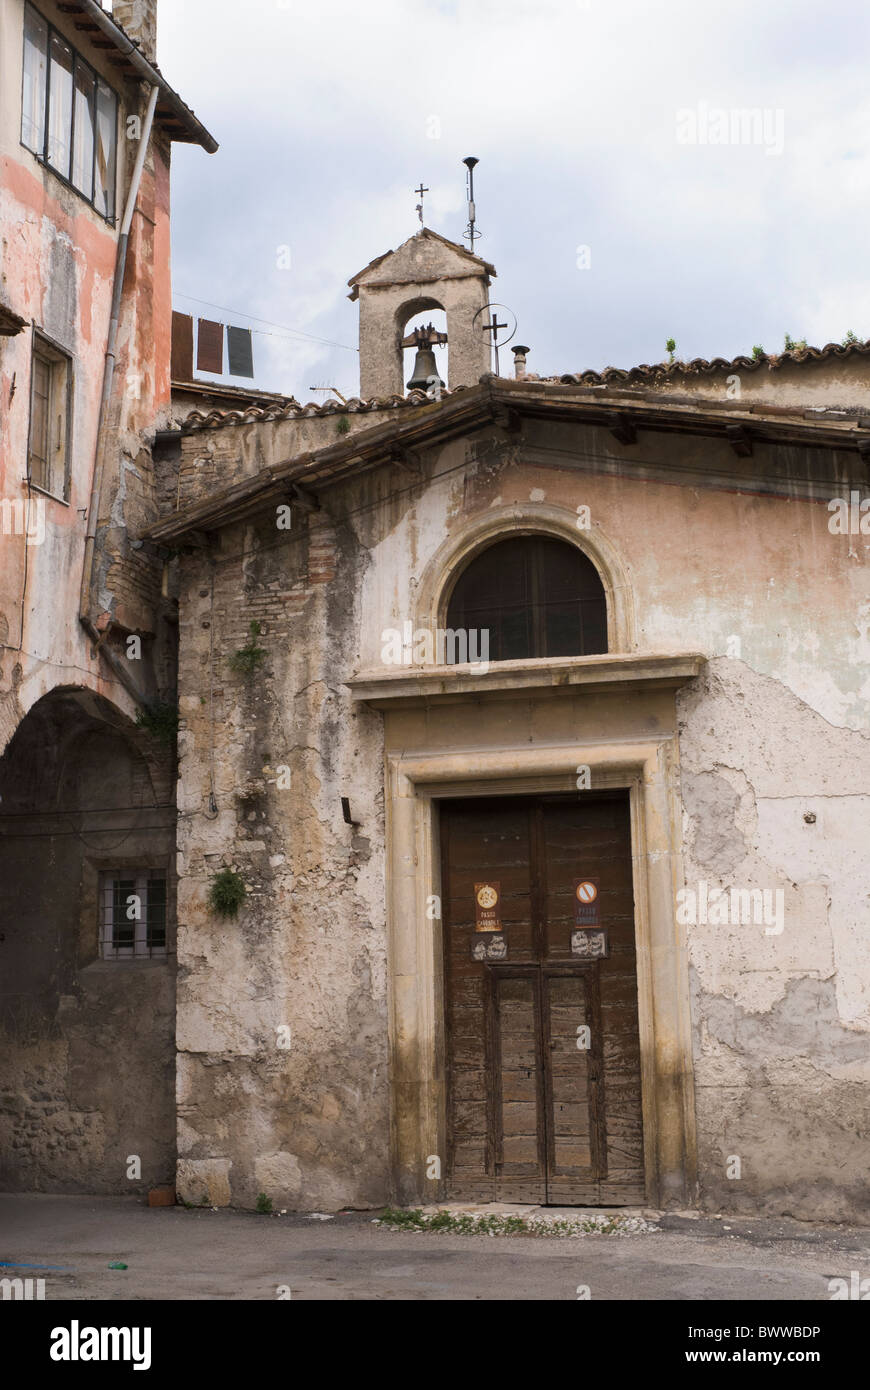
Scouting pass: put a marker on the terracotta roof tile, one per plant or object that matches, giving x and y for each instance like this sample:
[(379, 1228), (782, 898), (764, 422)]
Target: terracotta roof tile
[(645, 373), (218, 419), (699, 366)]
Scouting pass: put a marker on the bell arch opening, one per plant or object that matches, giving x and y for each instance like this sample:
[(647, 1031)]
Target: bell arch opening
[(415, 317), (533, 595)]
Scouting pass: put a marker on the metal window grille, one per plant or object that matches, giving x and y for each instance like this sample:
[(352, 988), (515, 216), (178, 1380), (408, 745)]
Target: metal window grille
[(133, 914)]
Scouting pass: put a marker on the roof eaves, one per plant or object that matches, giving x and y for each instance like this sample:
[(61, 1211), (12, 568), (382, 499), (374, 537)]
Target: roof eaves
[(10, 322), (172, 111), (454, 416)]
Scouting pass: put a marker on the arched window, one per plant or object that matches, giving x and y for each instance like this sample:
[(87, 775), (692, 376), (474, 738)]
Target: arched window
[(537, 596)]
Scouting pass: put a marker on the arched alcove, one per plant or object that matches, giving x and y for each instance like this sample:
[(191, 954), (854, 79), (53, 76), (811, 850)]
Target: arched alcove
[(87, 992)]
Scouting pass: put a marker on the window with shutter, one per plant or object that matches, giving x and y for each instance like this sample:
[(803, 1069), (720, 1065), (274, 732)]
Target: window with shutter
[(536, 596)]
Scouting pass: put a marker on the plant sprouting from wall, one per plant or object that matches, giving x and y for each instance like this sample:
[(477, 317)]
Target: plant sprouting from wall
[(342, 425), (160, 720), (671, 346), (758, 352), (249, 658), (227, 893)]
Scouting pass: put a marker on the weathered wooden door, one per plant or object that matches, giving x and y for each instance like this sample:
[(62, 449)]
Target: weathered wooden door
[(543, 1055)]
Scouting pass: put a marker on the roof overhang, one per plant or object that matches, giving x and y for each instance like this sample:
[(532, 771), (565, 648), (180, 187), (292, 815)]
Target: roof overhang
[(173, 114), (505, 404), (10, 322)]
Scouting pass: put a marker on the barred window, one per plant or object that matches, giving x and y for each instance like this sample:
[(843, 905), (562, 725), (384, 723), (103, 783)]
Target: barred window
[(133, 913)]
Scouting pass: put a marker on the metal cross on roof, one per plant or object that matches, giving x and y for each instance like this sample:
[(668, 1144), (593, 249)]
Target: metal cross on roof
[(421, 190), (492, 327)]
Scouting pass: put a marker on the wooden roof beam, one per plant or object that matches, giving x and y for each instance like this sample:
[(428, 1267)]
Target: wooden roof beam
[(622, 427), (740, 440)]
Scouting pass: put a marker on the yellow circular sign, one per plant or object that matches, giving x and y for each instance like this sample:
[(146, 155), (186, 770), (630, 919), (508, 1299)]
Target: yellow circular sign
[(487, 896)]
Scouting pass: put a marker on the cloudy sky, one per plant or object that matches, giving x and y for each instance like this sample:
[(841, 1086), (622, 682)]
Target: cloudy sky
[(598, 124)]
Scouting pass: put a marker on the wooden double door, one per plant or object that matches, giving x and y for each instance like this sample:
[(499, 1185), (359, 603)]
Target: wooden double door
[(543, 1054)]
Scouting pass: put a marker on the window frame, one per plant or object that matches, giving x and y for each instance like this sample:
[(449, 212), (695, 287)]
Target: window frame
[(534, 605), (44, 349), (41, 156), (140, 949)]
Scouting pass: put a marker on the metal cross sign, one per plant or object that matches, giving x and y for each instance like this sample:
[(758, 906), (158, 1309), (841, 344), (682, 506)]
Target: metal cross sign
[(492, 327), (421, 190)]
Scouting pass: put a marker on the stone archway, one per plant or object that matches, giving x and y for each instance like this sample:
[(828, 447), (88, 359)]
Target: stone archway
[(88, 1034)]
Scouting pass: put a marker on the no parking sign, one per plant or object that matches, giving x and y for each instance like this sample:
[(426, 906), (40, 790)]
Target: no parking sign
[(586, 891)]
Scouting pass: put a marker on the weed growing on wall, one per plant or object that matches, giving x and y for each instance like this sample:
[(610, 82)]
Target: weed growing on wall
[(248, 659), (160, 721), (227, 893)]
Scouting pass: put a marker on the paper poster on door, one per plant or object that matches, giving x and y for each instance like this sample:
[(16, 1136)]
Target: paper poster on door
[(586, 912), (487, 906), (489, 948), (590, 943)]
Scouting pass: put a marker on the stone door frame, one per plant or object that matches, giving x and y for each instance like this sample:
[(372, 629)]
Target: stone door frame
[(415, 781)]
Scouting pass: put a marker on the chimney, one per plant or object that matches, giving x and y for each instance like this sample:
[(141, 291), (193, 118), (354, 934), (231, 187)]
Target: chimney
[(138, 19), (520, 361)]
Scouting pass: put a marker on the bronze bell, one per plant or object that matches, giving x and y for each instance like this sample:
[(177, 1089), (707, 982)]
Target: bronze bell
[(424, 367)]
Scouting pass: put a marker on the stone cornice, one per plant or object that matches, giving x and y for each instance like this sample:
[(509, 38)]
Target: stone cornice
[(506, 679)]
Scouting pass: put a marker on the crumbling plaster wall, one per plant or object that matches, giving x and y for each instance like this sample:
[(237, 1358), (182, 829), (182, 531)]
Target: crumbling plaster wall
[(833, 382), (57, 265), (777, 729), (776, 798), (306, 1123), (215, 459)]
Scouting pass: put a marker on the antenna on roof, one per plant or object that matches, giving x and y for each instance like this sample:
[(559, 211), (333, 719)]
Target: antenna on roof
[(470, 230), (333, 389)]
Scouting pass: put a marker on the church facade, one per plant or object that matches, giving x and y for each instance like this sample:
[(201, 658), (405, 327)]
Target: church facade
[(523, 780)]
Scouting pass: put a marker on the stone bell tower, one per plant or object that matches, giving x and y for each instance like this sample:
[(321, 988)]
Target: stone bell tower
[(426, 272)]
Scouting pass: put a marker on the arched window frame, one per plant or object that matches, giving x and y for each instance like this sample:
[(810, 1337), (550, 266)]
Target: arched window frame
[(543, 575), (437, 581)]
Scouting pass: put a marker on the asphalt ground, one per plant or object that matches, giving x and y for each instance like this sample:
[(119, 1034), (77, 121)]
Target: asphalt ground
[(177, 1253)]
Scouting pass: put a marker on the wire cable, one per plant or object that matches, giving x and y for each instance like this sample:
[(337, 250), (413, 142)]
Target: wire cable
[(240, 313)]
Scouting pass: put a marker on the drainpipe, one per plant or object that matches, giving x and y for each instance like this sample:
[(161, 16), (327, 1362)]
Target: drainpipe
[(85, 614)]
